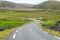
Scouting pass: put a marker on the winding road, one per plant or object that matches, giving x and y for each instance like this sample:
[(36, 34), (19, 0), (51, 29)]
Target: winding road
[(31, 32)]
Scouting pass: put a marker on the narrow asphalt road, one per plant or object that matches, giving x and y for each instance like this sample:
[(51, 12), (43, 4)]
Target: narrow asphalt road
[(31, 32)]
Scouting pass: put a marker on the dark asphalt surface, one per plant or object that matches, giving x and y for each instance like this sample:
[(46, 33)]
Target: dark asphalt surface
[(31, 32)]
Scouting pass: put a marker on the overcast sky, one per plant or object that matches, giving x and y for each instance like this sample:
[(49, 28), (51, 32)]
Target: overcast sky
[(28, 1)]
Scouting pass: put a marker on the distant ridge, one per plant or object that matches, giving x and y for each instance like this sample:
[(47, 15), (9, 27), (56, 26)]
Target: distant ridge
[(11, 5), (53, 5)]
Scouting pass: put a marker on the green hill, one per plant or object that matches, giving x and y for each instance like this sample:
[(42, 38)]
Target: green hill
[(12, 5), (54, 5), (7, 4)]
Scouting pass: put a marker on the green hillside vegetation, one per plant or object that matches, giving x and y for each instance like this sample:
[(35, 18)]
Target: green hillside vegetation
[(31, 14), (52, 5), (5, 23)]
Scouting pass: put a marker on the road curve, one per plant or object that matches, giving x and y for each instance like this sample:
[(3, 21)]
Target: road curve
[(31, 32)]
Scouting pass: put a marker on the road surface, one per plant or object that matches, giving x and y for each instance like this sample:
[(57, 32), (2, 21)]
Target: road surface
[(31, 32)]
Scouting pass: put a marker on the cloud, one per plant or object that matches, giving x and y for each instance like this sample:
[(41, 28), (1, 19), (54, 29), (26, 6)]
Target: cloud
[(58, 0)]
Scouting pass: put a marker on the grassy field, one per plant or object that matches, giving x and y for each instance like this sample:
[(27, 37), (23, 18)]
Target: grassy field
[(31, 14), (46, 16), (49, 22), (11, 22)]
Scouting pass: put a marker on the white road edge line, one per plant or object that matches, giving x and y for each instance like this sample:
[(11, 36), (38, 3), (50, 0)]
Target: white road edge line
[(46, 32), (14, 36), (54, 36), (17, 30), (57, 37)]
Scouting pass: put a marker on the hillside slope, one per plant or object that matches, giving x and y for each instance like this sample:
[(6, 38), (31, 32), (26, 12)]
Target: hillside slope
[(54, 5), (11, 5)]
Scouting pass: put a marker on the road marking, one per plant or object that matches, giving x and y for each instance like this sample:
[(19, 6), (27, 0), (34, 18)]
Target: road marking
[(17, 30), (14, 36), (46, 32), (57, 37)]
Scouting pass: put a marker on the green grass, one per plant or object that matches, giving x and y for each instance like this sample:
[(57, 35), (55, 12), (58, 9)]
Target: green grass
[(11, 23), (46, 15), (33, 14), (4, 33), (49, 23), (53, 32)]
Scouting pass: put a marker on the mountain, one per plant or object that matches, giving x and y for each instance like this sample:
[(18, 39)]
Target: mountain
[(53, 5), (11, 5)]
